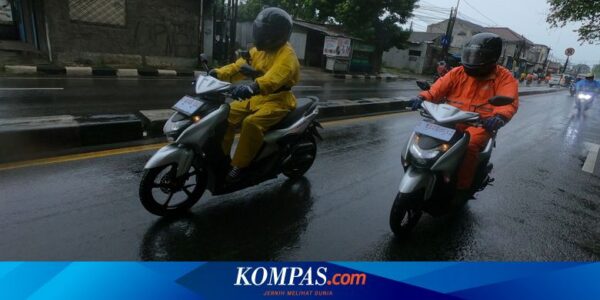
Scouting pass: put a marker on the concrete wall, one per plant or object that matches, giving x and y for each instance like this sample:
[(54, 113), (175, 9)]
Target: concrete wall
[(460, 35), (400, 58), (159, 33), (298, 38)]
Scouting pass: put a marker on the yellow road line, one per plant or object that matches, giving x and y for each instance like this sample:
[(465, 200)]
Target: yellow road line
[(80, 156), (120, 151)]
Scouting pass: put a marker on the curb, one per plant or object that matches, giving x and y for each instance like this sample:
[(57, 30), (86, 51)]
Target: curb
[(38, 137), (371, 77), (98, 71)]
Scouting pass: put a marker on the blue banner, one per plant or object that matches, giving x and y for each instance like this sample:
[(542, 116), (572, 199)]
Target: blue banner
[(298, 280)]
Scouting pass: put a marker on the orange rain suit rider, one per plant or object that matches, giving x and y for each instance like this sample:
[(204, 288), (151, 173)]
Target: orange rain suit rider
[(467, 93)]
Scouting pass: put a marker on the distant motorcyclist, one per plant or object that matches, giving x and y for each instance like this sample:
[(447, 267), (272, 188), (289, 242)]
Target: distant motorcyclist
[(267, 100), (442, 68), (587, 85), (468, 88)]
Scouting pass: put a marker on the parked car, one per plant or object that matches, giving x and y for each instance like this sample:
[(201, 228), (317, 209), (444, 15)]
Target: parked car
[(555, 79)]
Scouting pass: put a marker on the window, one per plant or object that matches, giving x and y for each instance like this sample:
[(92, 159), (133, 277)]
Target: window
[(462, 33), (414, 53), (6, 17), (105, 12)]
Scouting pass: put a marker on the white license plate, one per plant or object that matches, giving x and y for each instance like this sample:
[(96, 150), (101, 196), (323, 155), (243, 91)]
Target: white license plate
[(187, 105), (435, 131)]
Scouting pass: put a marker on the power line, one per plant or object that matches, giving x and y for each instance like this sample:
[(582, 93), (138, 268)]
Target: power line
[(475, 9)]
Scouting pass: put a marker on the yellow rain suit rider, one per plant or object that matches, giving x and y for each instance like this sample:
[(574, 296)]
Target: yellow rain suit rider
[(273, 99)]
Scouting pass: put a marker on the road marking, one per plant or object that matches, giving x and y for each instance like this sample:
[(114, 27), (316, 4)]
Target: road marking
[(590, 162), (80, 156), (32, 89), (134, 149), (307, 87)]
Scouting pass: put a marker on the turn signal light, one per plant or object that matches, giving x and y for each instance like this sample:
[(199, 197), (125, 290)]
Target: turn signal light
[(196, 119)]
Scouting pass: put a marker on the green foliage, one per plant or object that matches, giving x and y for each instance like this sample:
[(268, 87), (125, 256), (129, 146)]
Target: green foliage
[(596, 70), (585, 11), (374, 21), (303, 9)]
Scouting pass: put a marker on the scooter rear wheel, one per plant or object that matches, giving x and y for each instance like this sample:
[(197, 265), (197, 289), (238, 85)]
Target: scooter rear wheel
[(164, 195), (404, 215), (301, 161)]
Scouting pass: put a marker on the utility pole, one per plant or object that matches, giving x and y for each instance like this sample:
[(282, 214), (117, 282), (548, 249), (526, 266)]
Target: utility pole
[(449, 30), (566, 64), (201, 31)]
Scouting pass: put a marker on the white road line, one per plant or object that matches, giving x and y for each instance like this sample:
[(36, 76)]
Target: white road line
[(32, 89), (592, 157), (307, 87)]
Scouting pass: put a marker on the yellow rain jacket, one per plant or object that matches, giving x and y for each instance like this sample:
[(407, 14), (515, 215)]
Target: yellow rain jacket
[(256, 115)]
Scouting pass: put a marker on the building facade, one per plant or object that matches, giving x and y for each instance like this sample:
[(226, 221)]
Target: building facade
[(107, 32)]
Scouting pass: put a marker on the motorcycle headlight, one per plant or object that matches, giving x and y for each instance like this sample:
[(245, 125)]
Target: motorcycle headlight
[(584, 96), (173, 129), (417, 152)]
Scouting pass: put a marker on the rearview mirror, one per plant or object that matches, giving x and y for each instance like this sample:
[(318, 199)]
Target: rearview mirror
[(203, 58), (245, 54), (500, 100), (423, 85)]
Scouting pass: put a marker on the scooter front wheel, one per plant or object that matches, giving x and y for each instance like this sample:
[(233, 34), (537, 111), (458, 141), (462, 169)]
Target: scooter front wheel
[(163, 194), (405, 215)]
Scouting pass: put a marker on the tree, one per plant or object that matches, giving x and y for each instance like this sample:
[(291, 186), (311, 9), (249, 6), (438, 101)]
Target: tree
[(374, 21), (596, 70), (585, 11)]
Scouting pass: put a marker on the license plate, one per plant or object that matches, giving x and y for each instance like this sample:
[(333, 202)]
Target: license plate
[(187, 105), (435, 131)]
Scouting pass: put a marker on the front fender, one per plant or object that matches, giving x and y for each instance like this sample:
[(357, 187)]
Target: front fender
[(416, 179), (171, 154)]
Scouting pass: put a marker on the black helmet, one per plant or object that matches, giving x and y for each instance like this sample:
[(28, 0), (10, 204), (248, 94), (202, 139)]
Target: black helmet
[(480, 54), (272, 29)]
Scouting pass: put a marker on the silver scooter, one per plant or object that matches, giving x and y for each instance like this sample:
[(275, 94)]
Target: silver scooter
[(431, 159), (178, 174)]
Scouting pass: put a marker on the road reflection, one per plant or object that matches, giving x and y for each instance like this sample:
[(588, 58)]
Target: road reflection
[(259, 227)]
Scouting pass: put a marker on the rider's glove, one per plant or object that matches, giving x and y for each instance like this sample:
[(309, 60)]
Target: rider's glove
[(494, 123), (213, 73), (415, 103), (245, 91)]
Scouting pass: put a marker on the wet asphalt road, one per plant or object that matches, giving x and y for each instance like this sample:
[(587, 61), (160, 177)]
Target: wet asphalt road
[(542, 206), (44, 96)]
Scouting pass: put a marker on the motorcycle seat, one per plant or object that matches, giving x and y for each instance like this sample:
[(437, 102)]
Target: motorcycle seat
[(303, 106)]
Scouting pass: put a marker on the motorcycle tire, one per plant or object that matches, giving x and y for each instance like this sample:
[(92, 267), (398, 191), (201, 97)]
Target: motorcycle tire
[(404, 215), (148, 184)]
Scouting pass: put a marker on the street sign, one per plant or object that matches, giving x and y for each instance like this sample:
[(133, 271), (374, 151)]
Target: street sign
[(445, 41), (569, 51)]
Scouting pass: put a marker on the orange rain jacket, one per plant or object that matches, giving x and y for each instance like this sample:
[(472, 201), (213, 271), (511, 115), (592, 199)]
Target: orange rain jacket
[(466, 92)]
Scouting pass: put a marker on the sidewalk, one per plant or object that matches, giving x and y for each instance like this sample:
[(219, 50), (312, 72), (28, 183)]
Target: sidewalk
[(37, 137), (310, 73)]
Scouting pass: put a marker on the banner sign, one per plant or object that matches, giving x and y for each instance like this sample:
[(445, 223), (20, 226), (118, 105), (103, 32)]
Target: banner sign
[(298, 280), (335, 46)]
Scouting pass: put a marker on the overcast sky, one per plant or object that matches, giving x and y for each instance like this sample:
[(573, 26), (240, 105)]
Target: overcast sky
[(527, 17)]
